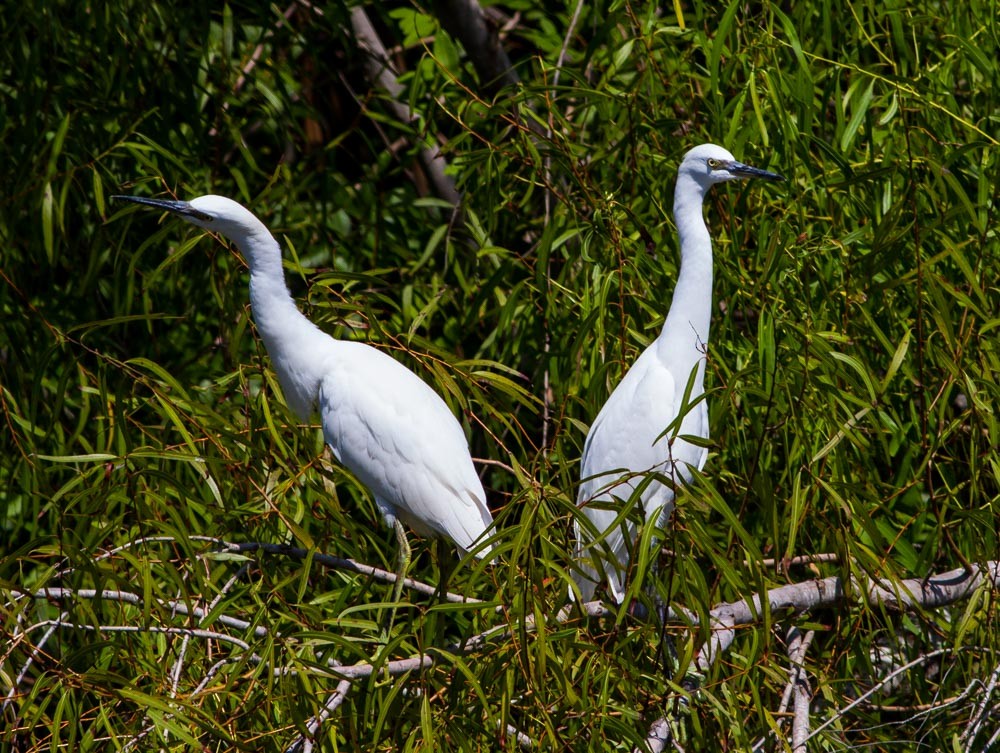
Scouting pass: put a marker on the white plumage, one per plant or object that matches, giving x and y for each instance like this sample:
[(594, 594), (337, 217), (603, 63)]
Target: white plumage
[(383, 423), (629, 439)]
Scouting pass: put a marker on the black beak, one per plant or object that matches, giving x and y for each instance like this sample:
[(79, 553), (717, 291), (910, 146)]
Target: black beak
[(182, 208), (746, 171)]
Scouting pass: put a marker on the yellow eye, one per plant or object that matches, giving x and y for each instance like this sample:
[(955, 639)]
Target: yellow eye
[(713, 163)]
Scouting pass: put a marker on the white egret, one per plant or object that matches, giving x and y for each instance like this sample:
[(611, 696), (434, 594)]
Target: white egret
[(639, 430), (383, 422)]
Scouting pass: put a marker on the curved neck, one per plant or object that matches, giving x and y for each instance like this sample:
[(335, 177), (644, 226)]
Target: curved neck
[(684, 338), (292, 341), (270, 300)]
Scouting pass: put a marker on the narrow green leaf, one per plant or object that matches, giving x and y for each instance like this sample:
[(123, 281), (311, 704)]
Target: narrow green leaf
[(897, 360), (859, 110), (47, 230), (56, 147)]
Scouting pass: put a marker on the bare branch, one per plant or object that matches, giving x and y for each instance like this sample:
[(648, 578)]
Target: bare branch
[(993, 740), (339, 563), (32, 656), (306, 743), (187, 632), (981, 714), (877, 688), (798, 682), (175, 607), (659, 736), (380, 73), (522, 739), (720, 639), (465, 21), (934, 591), (725, 618)]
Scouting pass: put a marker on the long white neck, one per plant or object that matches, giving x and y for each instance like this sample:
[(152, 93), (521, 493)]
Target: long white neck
[(683, 341), (294, 344)]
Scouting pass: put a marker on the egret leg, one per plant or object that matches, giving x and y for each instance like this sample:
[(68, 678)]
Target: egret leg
[(446, 566), (404, 565), (446, 561)]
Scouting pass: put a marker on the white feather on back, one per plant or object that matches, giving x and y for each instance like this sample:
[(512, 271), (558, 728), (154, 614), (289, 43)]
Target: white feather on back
[(397, 435)]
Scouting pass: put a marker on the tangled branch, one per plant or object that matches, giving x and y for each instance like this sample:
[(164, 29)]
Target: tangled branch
[(726, 620)]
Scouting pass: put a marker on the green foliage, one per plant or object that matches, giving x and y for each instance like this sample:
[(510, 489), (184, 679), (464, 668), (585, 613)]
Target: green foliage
[(852, 370)]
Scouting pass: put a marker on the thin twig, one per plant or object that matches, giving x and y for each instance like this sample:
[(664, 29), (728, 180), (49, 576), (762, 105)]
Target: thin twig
[(336, 563), (839, 713), (179, 664), (571, 29), (119, 549), (258, 51), (211, 635), (798, 645), (36, 650), (199, 688), (980, 715), (523, 740), (339, 563), (802, 559), (126, 597), (546, 340)]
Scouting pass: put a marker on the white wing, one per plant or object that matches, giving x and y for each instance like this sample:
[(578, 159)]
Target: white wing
[(623, 446), (399, 438)]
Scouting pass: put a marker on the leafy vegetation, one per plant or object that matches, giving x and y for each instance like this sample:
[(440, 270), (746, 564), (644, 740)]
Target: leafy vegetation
[(852, 371)]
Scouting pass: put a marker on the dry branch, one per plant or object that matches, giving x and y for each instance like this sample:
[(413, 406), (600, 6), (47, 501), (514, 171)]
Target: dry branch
[(465, 20), (173, 606), (307, 742), (339, 563), (779, 603), (924, 593), (798, 682), (927, 593), (970, 733), (380, 74)]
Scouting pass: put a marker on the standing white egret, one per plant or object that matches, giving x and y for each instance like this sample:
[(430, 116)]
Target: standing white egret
[(637, 431), (383, 422)]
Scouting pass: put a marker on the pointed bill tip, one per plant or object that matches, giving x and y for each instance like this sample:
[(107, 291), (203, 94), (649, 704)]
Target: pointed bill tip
[(182, 208), (748, 171), (168, 204)]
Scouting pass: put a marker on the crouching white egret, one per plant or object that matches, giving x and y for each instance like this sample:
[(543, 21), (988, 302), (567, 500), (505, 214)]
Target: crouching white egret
[(383, 423)]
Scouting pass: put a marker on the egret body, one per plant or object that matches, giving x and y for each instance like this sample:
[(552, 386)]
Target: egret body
[(638, 431), (383, 422)]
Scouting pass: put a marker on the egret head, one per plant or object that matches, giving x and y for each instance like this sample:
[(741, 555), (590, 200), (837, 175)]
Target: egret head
[(709, 164), (216, 213)]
